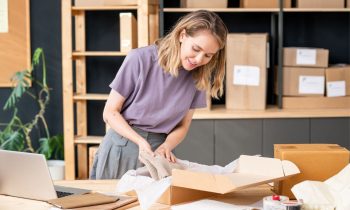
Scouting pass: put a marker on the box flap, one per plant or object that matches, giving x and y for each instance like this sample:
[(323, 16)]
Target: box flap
[(252, 171), (270, 167), (289, 168)]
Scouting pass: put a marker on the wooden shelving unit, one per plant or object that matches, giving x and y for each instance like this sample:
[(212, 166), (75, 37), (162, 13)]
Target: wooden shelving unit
[(258, 9), (148, 25), (276, 34), (221, 9), (220, 112), (97, 53), (75, 120), (76, 8)]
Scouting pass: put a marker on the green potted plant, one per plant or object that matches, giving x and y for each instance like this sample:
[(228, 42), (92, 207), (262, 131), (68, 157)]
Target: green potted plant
[(16, 135)]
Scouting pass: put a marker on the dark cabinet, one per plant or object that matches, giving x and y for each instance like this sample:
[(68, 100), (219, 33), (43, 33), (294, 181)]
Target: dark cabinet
[(219, 141), (198, 146), (334, 130), (237, 137), (284, 131)]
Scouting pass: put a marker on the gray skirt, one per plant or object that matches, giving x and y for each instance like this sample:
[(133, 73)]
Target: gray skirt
[(116, 154)]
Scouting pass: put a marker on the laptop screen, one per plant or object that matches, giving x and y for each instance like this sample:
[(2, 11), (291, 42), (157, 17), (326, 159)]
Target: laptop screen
[(25, 175)]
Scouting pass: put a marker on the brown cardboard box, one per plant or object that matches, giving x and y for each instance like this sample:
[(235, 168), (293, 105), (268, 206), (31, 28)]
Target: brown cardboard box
[(128, 31), (246, 72), (176, 195), (252, 171), (308, 57), (316, 162), (203, 4), (320, 3), (92, 153), (338, 73), (301, 81), (316, 102), (87, 3), (264, 3)]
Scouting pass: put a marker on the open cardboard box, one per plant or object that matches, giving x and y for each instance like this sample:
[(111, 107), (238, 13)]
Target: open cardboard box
[(252, 171)]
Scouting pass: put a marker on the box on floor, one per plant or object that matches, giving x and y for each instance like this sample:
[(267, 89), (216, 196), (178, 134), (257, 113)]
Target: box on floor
[(316, 162)]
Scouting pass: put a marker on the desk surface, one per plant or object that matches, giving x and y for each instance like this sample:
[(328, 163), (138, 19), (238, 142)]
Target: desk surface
[(103, 186), (108, 186)]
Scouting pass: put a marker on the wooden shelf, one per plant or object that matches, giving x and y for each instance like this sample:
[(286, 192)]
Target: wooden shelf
[(220, 112), (76, 54), (88, 139), (259, 9), (222, 9), (90, 97), (74, 74), (316, 10), (75, 8)]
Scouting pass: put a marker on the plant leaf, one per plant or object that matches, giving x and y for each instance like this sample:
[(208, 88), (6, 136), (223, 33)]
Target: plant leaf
[(52, 147), (45, 148), (21, 79), (12, 140)]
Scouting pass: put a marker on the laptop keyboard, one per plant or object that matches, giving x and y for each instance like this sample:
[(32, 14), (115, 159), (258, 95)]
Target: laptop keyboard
[(61, 194)]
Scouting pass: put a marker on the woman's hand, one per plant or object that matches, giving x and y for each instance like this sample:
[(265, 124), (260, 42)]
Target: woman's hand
[(146, 147), (165, 151)]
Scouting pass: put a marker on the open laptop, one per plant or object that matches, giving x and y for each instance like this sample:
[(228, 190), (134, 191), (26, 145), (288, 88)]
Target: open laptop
[(27, 175)]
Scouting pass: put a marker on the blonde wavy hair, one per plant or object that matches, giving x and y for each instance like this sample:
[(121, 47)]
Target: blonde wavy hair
[(209, 76)]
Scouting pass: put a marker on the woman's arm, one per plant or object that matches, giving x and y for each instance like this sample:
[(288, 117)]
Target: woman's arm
[(112, 116), (175, 137)]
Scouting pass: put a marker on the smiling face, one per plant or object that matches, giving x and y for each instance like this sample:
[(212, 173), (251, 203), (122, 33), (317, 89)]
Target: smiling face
[(197, 50)]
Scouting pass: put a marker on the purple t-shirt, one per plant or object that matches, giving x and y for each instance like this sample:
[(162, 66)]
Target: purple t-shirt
[(155, 101)]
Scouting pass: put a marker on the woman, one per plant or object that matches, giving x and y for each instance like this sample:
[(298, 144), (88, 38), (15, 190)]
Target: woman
[(156, 90)]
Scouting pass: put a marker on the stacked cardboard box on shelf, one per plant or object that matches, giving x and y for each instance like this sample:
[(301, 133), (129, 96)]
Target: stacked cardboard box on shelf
[(246, 71), (304, 80), (88, 3), (338, 80), (128, 31), (203, 4), (304, 72), (320, 3), (264, 3)]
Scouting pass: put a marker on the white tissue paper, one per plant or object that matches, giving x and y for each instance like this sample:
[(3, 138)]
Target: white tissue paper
[(333, 193), (207, 204), (149, 190)]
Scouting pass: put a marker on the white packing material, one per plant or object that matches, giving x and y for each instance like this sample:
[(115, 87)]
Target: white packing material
[(334, 192), (149, 190), (207, 204)]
